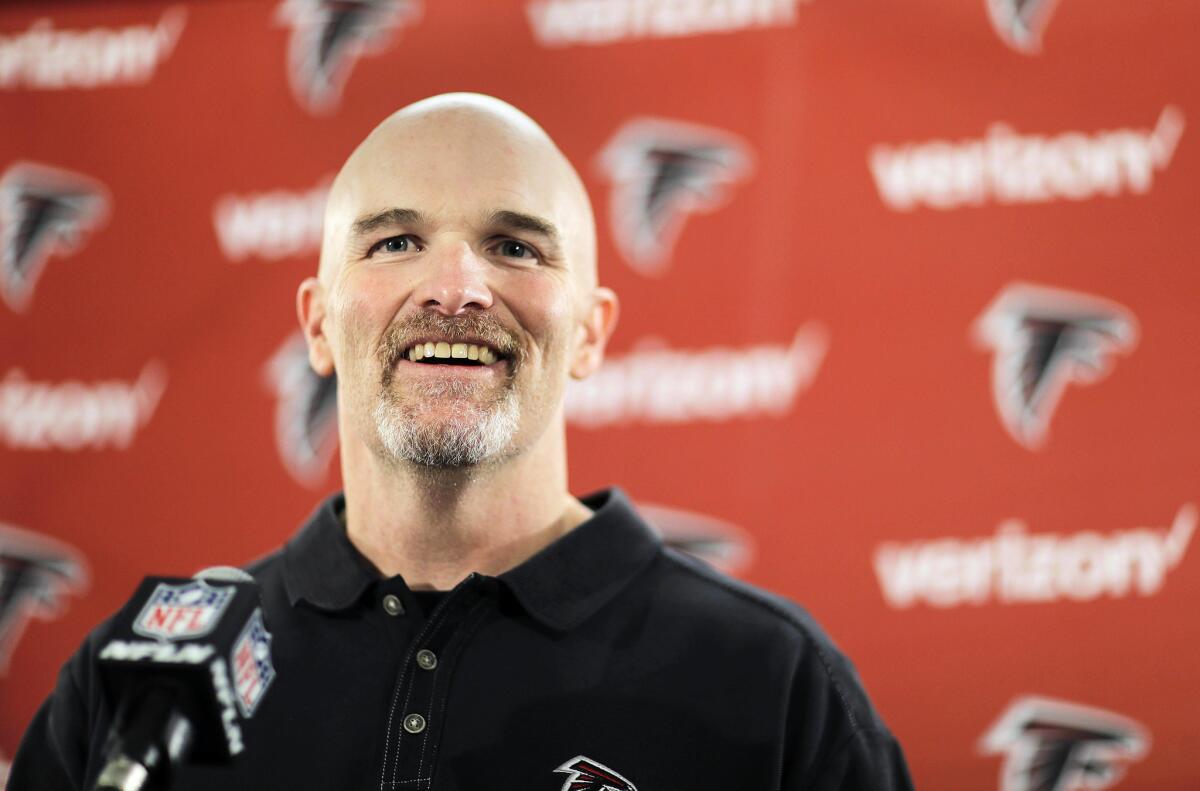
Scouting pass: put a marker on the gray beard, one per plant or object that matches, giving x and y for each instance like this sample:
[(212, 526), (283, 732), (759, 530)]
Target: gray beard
[(479, 434)]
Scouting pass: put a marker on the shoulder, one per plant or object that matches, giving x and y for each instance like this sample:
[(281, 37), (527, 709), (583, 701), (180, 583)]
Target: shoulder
[(778, 631)]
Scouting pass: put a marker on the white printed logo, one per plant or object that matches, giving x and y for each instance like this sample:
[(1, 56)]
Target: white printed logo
[(43, 58), (74, 416), (44, 211), (1044, 339), (563, 23), (656, 384), (1021, 23), (1053, 745), (178, 612), (715, 541), (1015, 566), (1006, 167), (328, 38), (36, 574), (270, 225), (305, 412), (663, 171), (251, 662)]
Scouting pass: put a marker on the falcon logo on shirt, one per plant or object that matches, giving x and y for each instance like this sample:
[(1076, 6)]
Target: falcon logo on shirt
[(1052, 745), (305, 412), (584, 774), (662, 171), (44, 211), (36, 573), (1021, 23), (1044, 339), (329, 36)]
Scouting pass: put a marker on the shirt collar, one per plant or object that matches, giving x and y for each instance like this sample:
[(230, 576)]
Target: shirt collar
[(321, 566), (579, 573), (560, 586)]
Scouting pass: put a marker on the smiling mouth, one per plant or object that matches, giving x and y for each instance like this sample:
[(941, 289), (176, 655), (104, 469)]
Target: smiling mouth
[(460, 354)]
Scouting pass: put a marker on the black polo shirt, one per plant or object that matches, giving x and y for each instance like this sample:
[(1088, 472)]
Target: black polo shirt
[(606, 661)]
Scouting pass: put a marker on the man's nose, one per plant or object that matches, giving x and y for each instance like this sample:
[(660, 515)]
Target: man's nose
[(456, 281)]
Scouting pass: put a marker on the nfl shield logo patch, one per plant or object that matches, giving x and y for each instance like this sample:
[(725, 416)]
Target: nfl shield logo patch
[(251, 660), (176, 612)]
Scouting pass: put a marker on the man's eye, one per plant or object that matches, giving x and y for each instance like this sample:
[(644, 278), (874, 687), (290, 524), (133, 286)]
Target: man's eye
[(393, 244), (510, 248)]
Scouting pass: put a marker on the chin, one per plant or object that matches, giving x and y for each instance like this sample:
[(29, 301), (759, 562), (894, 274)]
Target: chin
[(447, 442)]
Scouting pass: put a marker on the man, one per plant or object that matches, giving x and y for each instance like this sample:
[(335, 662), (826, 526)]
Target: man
[(456, 620)]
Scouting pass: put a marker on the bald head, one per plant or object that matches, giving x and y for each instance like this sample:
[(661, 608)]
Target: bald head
[(461, 158)]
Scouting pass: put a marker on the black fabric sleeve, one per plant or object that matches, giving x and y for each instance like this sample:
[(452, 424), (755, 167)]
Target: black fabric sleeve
[(834, 739), (870, 760), (63, 748), (53, 753)]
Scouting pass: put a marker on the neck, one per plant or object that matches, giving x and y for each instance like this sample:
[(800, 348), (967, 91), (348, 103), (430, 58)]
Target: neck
[(435, 526)]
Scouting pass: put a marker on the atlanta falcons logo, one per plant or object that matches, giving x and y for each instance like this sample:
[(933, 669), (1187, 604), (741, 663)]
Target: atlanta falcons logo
[(305, 416), (1052, 745), (718, 543), (36, 572), (662, 171), (584, 774), (328, 37), (1045, 338), (43, 211), (1020, 23)]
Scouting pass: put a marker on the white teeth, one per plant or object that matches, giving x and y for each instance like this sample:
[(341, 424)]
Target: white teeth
[(444, 350)]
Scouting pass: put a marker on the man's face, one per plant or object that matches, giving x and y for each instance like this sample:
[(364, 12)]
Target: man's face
[(457, 306)]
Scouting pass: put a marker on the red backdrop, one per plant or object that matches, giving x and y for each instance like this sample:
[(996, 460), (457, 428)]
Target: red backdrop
[(908, 333)]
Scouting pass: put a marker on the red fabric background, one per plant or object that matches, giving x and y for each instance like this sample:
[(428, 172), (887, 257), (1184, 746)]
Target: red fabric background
[(896, 437)]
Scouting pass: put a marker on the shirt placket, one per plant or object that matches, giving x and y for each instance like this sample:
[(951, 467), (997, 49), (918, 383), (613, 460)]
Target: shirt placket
[(415, 717)]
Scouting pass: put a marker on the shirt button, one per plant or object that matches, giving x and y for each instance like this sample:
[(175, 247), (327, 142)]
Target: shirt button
[(426, 659), (392, 605), (414, 723)]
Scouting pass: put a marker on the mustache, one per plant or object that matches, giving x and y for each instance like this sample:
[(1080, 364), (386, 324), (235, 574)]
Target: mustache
[(471, 327)]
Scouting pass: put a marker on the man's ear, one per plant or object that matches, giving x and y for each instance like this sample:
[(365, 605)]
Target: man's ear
[(597, 327), (310, 309)]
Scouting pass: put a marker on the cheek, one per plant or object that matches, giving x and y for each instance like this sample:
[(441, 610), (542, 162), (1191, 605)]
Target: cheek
[(361, 314), (545, 308)]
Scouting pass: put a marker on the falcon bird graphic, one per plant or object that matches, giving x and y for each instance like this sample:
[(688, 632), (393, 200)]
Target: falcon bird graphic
[(1021, 23), (584, 774), (1053, 745), (43, 211), (328, 37), (36, 572), (305, 412), (1044, 338), (662, 171)]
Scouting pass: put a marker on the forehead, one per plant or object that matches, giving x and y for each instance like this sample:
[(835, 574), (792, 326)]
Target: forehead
[(455, 168)]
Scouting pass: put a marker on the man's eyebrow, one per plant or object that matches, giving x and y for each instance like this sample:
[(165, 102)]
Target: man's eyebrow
[(524, 222), (394, 216)]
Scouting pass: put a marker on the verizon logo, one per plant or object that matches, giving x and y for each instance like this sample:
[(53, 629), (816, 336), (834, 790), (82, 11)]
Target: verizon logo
[(1006, 167), (655, 384), (1014, 566), (563, 23), (47, 59), (270, 225), (75, 416)]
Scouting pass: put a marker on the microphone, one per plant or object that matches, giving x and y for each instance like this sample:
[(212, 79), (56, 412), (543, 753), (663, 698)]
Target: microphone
[(187, 663)]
